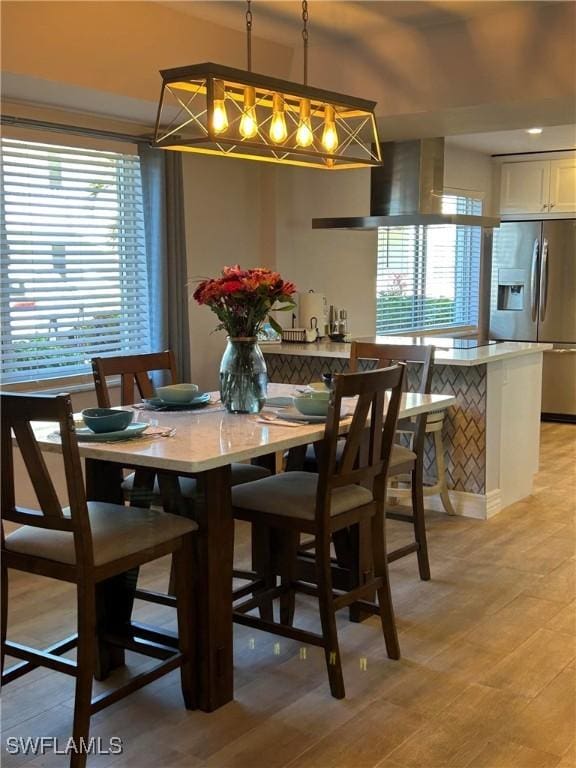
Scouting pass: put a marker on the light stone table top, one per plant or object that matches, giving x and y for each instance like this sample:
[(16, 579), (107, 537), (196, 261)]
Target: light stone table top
[(443, 354), (211, 437)]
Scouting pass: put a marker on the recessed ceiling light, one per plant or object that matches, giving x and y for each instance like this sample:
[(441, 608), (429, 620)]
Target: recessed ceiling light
[(534, 131)]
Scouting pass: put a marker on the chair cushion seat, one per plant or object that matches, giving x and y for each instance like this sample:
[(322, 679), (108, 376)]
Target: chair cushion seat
[(293, 494), (247, 473), (401, 455), (241, 473), (117, 531)]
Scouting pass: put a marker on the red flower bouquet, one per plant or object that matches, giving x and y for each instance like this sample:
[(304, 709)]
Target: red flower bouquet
[(243, 298)]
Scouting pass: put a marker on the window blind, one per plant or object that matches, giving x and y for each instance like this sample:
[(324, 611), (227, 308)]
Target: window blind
[(74, 279), (428, 276)]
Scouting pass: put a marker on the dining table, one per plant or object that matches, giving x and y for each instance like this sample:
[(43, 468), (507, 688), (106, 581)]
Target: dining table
[(202, 444)]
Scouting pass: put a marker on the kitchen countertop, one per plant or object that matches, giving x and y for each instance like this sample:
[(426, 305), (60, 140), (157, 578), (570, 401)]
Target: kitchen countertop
[(443, 356)]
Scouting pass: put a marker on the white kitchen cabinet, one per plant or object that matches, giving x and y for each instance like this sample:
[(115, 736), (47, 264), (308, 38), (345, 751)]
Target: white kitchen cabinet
[(563, 186), (525, 187), (538, 187)]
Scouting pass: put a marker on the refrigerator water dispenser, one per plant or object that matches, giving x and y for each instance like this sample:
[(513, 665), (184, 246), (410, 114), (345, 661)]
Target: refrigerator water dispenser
[(511, 289)]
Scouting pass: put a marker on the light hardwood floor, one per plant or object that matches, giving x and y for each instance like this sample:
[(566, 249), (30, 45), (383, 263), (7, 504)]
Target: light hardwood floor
[(487, 677)]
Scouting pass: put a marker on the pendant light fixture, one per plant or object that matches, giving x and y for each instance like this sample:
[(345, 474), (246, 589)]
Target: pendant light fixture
[(217, 110)]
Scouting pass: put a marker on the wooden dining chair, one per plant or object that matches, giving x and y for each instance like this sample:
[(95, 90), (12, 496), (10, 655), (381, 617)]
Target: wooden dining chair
[(406, 460), (134, 372), (349, 488), (86, 543)]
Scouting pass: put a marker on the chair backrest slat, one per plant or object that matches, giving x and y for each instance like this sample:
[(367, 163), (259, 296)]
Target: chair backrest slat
[(18, 411), (368, 442), (7, 493), (388, 354), (354, 439), (134, 371), (37, 469)]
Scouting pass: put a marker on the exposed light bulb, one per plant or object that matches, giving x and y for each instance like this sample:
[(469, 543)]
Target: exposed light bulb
[(278, 130), (304, 135), (534, 131), (329, 134), (248, 123), (219, 115)]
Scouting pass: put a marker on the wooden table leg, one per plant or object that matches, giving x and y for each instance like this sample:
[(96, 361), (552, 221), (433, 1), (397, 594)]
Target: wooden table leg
[(261, 542), (104, 481), (268, 461), (360, 564), (295, 458), (215, 541), (174, 503), (114, 597)]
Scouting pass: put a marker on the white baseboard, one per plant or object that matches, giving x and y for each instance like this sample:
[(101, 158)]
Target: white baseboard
[(476, 505)]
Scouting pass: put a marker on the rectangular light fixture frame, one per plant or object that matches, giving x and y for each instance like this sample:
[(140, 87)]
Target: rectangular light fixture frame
[(184, 121)]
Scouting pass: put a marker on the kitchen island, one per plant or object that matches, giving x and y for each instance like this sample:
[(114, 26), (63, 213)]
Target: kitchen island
[(492, 434)]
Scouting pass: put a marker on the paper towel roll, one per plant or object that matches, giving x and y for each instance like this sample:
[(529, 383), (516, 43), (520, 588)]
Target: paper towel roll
[(311, 305)]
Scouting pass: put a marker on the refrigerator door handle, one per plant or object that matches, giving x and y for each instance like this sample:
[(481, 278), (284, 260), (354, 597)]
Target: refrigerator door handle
[(534, 281), (544, 280)]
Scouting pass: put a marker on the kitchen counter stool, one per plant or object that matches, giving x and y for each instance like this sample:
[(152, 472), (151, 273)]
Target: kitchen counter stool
[(349, 489), (434, 426)]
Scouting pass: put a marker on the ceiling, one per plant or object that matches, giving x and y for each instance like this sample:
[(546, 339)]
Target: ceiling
[(404, 54), (552, 138), (436, 68), (280, 20)]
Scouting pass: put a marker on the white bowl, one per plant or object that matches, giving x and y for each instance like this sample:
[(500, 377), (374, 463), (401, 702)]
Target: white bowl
[(177, 393)]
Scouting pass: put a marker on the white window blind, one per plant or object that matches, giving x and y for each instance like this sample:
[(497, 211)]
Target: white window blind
[(428, 276), (73, 261)]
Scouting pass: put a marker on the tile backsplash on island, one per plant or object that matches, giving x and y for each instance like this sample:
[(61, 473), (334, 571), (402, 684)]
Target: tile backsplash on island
[(464, 425), (491, 434)]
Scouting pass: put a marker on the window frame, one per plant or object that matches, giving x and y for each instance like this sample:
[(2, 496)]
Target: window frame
[(49, 377), (419, 269)]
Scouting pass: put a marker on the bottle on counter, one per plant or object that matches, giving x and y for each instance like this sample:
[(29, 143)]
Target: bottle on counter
[(343, 322)]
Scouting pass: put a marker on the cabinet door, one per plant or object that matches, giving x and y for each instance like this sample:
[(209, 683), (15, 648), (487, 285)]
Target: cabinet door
[(525, 187), (563, 185)]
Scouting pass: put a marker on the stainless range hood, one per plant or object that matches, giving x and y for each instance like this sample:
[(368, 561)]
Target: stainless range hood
[(406, 190)]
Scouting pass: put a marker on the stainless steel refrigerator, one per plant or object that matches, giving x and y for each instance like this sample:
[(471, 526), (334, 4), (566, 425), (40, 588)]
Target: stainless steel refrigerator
[(533, 298)]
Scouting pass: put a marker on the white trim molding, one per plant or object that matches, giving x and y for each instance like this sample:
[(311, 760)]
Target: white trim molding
[(476, 505)]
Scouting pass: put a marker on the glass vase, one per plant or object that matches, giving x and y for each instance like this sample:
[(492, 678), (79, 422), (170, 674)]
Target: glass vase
[(243, 376)]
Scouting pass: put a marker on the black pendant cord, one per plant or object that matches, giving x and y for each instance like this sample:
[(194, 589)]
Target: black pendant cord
[(249, 34), (305, 38)]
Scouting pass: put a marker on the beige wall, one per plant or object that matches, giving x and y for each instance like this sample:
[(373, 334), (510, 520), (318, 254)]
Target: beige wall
[(118, 47), (472, 172), (229, 210), (340, 264)]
